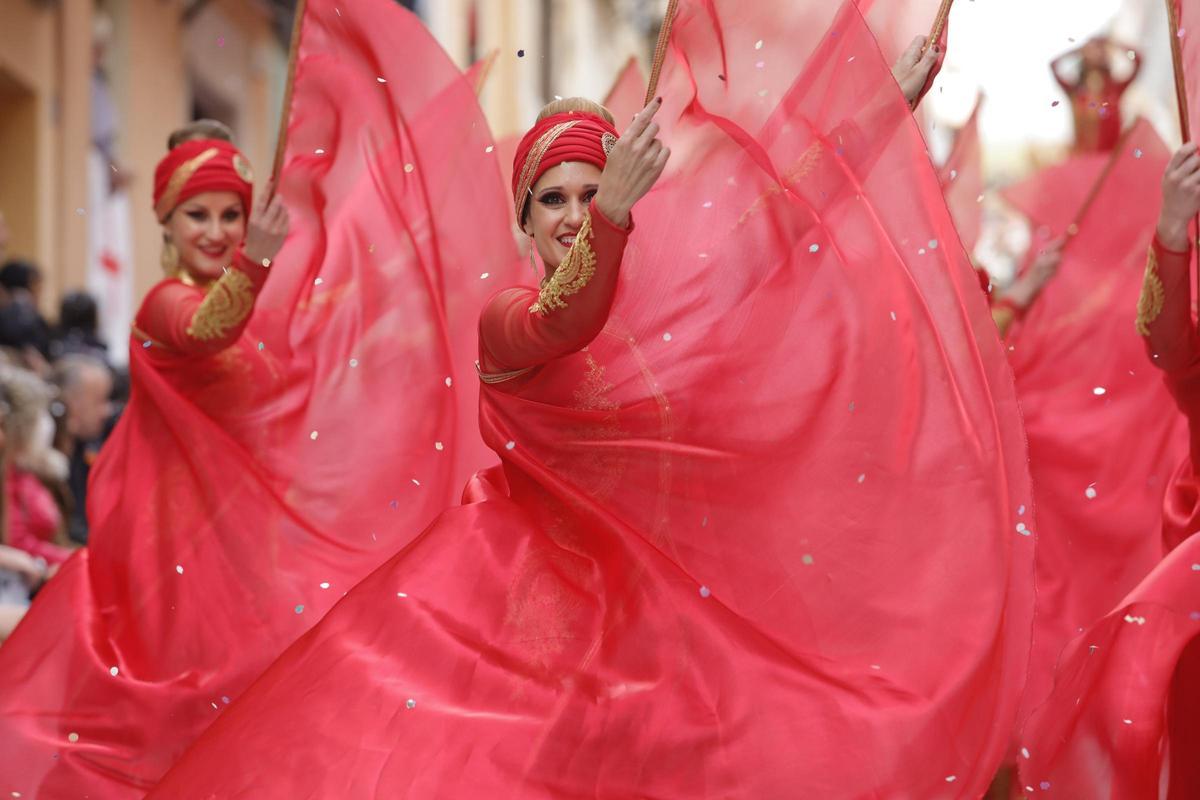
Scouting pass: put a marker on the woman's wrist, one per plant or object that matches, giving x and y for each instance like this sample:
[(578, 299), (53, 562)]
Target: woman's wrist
[(616, 213), (1172, 234)]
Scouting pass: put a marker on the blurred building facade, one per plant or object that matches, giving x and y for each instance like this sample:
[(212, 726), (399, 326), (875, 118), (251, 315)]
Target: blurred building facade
[(170, 61)]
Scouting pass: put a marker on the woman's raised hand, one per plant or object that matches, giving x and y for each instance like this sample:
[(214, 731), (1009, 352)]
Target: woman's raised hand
[(635, 163), (267, 227), (913, 68), (1181, 197)]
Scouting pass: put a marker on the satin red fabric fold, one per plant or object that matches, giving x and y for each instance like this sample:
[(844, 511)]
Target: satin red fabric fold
[(1088, 391), (767, 536), (244, 493), (962, 181)]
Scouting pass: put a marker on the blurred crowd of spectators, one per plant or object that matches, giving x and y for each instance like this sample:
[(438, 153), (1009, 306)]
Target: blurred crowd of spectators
[(59, 399)]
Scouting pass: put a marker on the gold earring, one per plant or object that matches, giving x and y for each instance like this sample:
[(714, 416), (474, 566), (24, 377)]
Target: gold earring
[(532, 263), (170, 257)]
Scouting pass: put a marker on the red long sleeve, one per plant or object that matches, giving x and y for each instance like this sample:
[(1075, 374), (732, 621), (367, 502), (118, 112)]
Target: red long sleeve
[(190, 320), (1165, 319), (522, 328), (33, 518)]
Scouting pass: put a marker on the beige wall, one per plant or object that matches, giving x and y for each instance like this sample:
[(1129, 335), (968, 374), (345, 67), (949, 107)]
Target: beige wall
[(153, 64)]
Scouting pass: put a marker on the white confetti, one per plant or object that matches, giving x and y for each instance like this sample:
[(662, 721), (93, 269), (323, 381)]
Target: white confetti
[(382, 80), (510, 445), (179, 568), (318, 281), (812, 248), (439, 446), (488, 149), (862, 477), (758, 45), (893, 316), (485, 276), (353, 363), (708, 204), (408, 168), (411, 704), (313, 435), (933, 244), (113, 671), (1090, 493), (320, 151), (1021, 529), (401, 594), (806, 559), (951, 778), (1099, 390), (324, 584), (667, 336), (1025, 752), (416, 482), (72, 737), (705, 591), (449, 382)]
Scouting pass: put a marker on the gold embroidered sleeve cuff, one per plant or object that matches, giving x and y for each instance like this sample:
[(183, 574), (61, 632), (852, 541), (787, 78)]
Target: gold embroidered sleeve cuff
[(227, 305), (1150, 302), (572, 274)]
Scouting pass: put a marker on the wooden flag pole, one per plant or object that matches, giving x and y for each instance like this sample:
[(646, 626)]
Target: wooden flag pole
[(1177, 60), (660, 51), (286, 112), (1181, 102)]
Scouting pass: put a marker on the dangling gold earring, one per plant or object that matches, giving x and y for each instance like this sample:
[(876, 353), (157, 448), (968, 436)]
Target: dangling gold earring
[(170, 257), (532, 263)]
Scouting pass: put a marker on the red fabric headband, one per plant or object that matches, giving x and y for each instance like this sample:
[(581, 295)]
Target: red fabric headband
[(570, 136), (201, 165)]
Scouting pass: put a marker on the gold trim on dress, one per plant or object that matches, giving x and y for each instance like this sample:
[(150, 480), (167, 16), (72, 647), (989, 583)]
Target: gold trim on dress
[(534, 159), (572, 274), (1150, 302), (227, 304), (183, 173), (492, 378)]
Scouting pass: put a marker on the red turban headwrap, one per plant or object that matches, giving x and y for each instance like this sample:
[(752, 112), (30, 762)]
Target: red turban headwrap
[(201, 165), (570, 136)]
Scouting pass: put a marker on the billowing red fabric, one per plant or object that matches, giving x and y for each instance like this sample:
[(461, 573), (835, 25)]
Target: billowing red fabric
[(896, 22), (765, 536), (1051, 198), (1087, 392), (244, 492), (583, 142), (226, 171), (962, 182), (627, 95)]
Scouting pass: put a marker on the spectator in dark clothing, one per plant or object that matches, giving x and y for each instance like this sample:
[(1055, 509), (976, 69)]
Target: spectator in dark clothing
[(21, 324), (78, 323), (84, 411)]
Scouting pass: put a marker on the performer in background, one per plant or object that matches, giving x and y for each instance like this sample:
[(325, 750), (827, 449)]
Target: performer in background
[(1095, 92), (756, 431), (263, 465), (1123, 716)]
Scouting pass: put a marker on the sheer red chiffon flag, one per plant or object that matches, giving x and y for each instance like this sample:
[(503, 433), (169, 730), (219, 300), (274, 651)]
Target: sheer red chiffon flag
[(767, 536), (1087, 391), (1051, 198), (896, 22), (242, 495), (628, 93), (962, 182)]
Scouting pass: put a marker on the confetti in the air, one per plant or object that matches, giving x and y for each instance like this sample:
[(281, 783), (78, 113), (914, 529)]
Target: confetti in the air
[(812, 248), (1025, 752), (411, 704), (510, 446), (1022, 529), (113, 671), (439, 446), (313, 435), (320, 151), (179, 568), (353, 362), (758, 45), (300, 609), (1099, 390), (1137, 152), (806, 559), (705, 591), (667, 336), (408, 168), (449, 383), (484, 276), (489, 149), (324, 584), (382, 80)]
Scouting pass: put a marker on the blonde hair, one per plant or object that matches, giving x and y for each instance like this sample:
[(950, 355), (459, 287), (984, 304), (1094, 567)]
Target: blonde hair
[(200, 129), (565, 105), (24, 423)]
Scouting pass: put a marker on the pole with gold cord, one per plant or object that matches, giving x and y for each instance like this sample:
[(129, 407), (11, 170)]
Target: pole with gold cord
[(286, 112)]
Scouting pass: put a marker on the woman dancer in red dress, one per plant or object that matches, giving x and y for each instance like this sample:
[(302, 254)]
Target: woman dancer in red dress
[(760, 528)]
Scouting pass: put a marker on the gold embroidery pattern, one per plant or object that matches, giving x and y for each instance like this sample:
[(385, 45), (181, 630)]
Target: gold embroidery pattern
[(572, 274), (226, 306), (800, 168), (1150, 303), (492, 378), (534, 159), (183, 174)]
